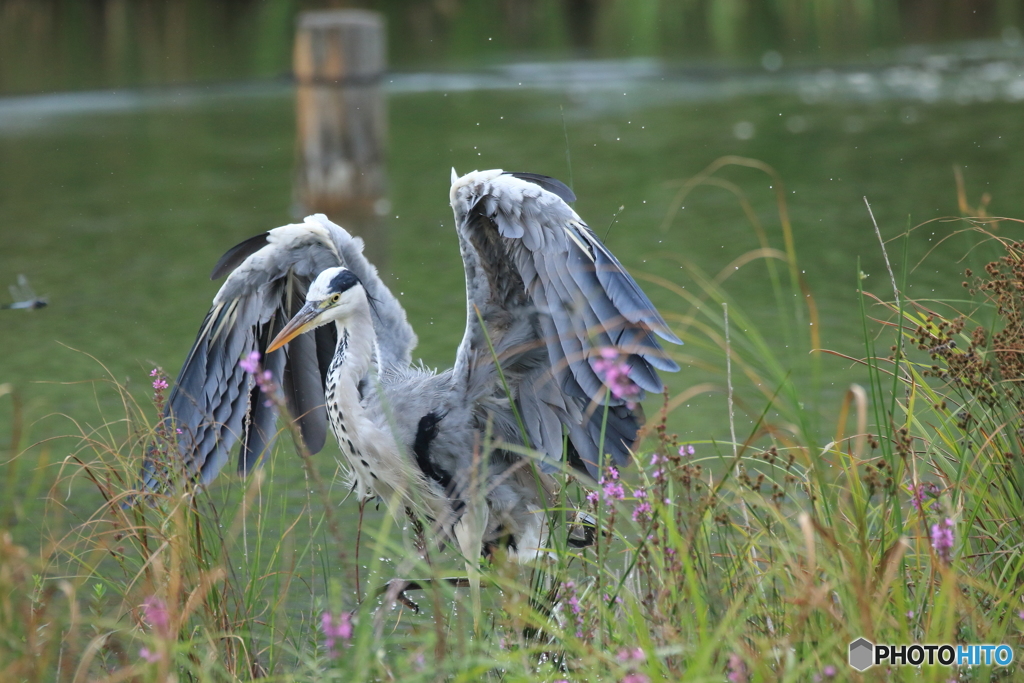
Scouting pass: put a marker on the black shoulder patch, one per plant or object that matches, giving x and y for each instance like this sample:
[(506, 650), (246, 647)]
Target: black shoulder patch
[(550, 184), (426, 432), (238, 253), (344, 281)]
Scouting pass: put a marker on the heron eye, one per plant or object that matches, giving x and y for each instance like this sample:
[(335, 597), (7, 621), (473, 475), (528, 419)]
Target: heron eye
[(336, 298)]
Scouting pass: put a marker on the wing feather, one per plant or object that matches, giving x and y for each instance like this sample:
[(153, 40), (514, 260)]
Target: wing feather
[(214, 404), (516, 230)]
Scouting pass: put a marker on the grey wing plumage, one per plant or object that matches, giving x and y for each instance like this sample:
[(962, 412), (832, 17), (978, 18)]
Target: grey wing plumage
[(214, 403), (542, 280)]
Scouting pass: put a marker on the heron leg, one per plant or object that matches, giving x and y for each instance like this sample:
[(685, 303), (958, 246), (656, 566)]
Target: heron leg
[(395, 590), (532, 540), (359, 535)]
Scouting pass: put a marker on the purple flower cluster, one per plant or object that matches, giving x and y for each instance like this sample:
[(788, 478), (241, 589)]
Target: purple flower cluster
[(827, 674), (154, 612), (336, 629), (611, 488), (659, 473), (737, 669), (943, 539), (631, 657), (643, 507), (160, 383), (265, 379), (627, 655), (685, 451), (614, 372), (922, 492), (636, 677), (617, 600), (573, 601)]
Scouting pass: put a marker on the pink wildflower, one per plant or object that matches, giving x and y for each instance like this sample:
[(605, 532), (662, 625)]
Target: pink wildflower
[(335, 630), (737, 669), (686, 450), (636, 654), (643, 508), (159, 384), (149, 655), (572, 600), (611, 487), (265, 379), (613, 490), (636, 678), (641, 511), (827, 674), (922, 492), (154, 611), (250, 363), (615, 375), (943, 540)]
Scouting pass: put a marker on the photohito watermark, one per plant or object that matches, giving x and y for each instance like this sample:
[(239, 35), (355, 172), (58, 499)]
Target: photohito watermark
[(865, 654)]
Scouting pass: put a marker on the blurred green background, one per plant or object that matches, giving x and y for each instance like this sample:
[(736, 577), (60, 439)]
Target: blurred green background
[(55, 45)]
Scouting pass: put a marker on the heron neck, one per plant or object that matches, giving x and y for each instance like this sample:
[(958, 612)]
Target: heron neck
[(352, 371), (354, 356)]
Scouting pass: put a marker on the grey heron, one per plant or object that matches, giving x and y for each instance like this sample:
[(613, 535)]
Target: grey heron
[(545, 299)]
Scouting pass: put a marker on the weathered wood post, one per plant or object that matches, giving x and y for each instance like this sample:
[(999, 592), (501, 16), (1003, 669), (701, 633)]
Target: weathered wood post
[(339, 61)]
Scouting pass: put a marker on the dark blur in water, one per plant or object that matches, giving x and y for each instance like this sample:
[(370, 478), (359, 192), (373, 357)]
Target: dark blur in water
[(116, 204), (57, 45)]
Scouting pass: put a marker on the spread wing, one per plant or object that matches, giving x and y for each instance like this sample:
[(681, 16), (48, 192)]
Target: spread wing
[(214, 403), (552, 297)]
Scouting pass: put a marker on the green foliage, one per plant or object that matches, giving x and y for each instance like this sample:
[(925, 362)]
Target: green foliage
[(755, 560)]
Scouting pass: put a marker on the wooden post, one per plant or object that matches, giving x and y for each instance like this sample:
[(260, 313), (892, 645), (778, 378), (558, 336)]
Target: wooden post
[(339, 61)]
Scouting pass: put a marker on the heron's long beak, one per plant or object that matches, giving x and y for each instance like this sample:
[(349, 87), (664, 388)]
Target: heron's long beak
[(303, 321)]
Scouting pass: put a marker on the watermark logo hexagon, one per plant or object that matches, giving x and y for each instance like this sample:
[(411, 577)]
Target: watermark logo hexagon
[(862, 654)]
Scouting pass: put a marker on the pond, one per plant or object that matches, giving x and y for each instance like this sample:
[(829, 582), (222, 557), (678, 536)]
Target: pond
[(116, 204)]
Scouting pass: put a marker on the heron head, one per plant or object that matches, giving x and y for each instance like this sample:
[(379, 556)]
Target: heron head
[(335, 295)]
